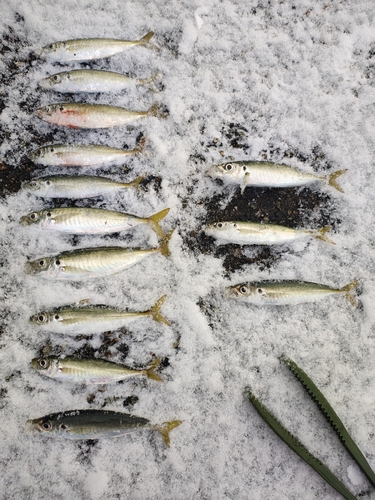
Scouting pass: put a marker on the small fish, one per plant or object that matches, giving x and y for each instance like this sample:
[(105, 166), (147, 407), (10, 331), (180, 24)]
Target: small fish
[(87, 49), (267, 174), (89, 371), (92, 319), (287, 292), (65, 155), (94, 424), (86, 263), (90, 220), (73, 186), (90, 80), (90, 116), (251, 233)]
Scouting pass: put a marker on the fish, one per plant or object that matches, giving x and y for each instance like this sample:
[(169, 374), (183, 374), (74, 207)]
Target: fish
[(66, 155), (77, 220), (87, 263), (90, 80), (92, 319), (90, 116), (251, 233), (94, 424), (268, 174), (89, 371), (280, 292), (87, 49), (76, 186)]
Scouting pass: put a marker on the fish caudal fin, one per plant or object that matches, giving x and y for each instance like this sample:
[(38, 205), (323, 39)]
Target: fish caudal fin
[(166, 428), (150, 372), (145, 40), (349, 290), (154, 311), (149, 82), (154, 219), (332, 179), (135, 183), (164, 246), (154, 110), (321, 235), (139, 147)]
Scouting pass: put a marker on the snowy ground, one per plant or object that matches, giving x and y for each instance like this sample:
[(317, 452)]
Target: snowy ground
[(288, 82)]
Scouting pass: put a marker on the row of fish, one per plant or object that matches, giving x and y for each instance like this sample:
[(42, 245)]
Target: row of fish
[(89, 262)]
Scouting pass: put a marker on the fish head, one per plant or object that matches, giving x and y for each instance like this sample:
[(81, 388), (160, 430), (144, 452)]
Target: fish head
[(231, 172), (217, 229), (55, 82), (51, 425), (47, 366), (41, 319), (39, 187), (243, 291), (46, 267), (33, 218), (49, 112), (52, 52)]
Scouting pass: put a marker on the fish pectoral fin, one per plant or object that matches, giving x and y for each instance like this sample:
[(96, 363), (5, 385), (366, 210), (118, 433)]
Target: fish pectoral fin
[(244, 182)]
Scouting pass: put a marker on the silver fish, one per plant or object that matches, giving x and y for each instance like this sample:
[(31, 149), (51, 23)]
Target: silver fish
[(82, 186), (86, 263), (287, 292), (250, 233), (66, 155), (90, 80), (90, 220), (92, 319), (89, 371), (87, 49), (90, 116), (267, 174), (94, 424)]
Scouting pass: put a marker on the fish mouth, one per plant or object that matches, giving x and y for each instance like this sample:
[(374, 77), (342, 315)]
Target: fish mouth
[(39, 113), (44, 83), (24, 221), (231, 292), (31, 427), (29, 268)]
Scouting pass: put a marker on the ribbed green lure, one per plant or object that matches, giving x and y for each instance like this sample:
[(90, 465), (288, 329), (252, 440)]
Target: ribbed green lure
[(332, 418), (298, 447)]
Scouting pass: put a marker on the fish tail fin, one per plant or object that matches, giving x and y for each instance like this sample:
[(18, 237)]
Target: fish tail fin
[(154, 219), (145, 40), (150, 372), (164, 246), (134, 183), (154, 311), (332, 179), (166, 428), (321, 235), (150, 81), (141, 144), (154, 110), (349, 290)]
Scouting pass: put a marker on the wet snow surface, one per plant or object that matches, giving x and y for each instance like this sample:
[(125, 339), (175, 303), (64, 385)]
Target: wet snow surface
[(286, 82)]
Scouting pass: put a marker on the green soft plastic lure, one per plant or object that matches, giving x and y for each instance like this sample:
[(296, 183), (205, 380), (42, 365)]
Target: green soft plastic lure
[(332, 418), (298, 447)]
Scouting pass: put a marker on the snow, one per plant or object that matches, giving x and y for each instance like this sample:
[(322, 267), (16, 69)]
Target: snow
[(298, 77)]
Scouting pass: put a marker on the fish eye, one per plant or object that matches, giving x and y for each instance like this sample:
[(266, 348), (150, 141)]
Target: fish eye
[(57, 262), (219, 225), (259, 290), (42, 262), (33, 184), (228, 167), (43, 363), (234, 225), (63, 427), (61, 108), (47, 426), (52, 150), (68, 76), (48, 214), (33, 216), (55, 77), (244, 168), (48, 109), (57, 317), (41, 318), (243, 289), (48, 183)]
